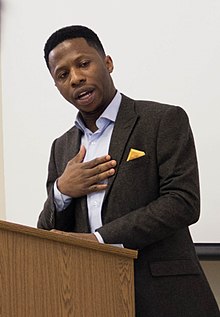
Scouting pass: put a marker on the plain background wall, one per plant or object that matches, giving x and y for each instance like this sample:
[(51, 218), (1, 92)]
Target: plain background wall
[(2, 187), (166, 51)]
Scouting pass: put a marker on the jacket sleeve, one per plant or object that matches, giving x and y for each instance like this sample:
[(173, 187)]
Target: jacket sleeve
[(46, 219), (49, 217)]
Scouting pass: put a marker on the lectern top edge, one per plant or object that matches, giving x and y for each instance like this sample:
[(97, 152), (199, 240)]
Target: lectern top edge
[(44, 234)]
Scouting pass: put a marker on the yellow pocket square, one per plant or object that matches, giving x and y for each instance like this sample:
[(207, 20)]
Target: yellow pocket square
[(134, 154)]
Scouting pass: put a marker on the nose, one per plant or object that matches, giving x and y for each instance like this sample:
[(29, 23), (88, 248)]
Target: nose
[(77, 77)]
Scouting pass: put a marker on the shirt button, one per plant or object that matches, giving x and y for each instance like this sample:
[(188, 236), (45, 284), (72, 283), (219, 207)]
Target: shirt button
[(93, 142), (95, 203)]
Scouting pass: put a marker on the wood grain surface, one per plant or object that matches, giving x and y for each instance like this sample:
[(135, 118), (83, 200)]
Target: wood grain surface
[(58, 276)]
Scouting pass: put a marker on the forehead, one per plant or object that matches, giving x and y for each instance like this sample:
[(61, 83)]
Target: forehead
[(73, 47)]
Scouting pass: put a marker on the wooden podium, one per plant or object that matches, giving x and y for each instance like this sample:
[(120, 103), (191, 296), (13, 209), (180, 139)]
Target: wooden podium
[(46, 274)]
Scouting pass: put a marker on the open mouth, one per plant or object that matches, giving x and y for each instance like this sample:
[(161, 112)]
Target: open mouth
[(84, 95)]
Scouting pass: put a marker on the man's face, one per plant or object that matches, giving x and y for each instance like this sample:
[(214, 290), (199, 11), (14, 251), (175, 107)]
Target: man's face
[(82, 75)]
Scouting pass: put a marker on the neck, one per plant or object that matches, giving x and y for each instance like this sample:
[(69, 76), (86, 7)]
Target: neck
[(90, 122), (90, 118)]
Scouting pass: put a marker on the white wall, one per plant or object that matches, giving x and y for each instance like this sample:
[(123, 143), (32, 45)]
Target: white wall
[(163, 50), (2, 186)]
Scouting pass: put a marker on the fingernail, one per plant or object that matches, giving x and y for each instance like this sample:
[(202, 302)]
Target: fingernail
[(113, 163)]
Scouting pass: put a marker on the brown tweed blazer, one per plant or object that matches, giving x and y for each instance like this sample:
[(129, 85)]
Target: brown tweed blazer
[(149, 204)]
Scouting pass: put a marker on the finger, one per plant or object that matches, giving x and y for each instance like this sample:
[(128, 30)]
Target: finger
[(97, 188), (55, 230), (103, 167), (94, 175), (100, 172), (97, 161), (96, 179), (64, 233)]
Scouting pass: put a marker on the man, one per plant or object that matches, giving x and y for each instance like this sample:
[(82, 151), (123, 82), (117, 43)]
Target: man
[(126, 173)]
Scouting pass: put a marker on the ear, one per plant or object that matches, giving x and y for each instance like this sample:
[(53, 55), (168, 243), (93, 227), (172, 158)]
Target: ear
[(109, 63)]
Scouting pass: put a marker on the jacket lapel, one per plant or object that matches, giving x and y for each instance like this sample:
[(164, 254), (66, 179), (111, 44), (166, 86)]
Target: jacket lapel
[(124, 124), (74, 141)]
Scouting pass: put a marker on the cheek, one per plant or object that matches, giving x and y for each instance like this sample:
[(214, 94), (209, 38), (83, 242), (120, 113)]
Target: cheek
[(64, 93), (61, 89), (104, 78)]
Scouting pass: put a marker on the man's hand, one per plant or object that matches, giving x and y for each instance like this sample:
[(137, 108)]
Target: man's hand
[(84, 236), (81, 178)]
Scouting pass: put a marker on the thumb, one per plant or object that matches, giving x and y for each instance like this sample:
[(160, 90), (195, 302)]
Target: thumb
[(80, 155)]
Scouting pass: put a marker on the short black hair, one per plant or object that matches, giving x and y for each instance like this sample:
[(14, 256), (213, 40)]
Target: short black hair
[(71, 32)]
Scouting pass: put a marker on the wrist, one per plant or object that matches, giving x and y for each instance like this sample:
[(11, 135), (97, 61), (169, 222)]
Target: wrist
[(60, 187)]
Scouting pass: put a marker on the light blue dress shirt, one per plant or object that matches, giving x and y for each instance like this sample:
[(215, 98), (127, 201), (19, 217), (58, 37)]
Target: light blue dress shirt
[(96, 144)]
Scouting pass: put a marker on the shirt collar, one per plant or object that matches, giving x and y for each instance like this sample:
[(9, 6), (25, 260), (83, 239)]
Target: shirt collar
[(110, 113)]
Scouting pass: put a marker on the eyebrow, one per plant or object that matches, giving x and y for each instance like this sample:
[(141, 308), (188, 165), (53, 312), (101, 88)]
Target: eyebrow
[(77, 59)]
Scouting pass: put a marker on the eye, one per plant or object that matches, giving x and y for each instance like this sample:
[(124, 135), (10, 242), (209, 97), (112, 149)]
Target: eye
[(62, 75), (84, 64)]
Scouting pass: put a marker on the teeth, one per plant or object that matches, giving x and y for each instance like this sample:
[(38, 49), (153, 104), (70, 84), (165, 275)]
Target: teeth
[(83, 93)]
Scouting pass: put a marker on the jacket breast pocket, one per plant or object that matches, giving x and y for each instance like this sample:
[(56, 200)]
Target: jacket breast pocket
[(137, 163), (174, 267)]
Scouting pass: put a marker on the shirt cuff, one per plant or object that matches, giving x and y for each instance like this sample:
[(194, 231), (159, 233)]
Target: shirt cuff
[(99, 237), (61, 201)]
